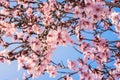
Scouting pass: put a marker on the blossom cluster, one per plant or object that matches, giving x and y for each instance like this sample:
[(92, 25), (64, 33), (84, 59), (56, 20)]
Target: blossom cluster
[(35, 28)]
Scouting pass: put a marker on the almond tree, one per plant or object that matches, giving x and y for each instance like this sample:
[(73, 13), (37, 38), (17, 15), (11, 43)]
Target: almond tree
[(36, 27)]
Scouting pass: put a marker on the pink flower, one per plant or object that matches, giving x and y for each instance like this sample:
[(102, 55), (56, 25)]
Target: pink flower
[(84, 47), (117, 64), (98, 7), (67, 7), (115, 17), (118, 44), (117, 27), (29, 11), (85, 76), (35, 46), (77, 11), (52, 1), (15, 13), (72, 65), (20, 62), (4, 11), (7, 4), (2, 60), (60, 38), (58, 13), (68, 78), (53, 74), (52, 38), (36, 29), (52, 70), (86, 56)]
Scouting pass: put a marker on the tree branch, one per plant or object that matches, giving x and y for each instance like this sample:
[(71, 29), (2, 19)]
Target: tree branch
[(112, 4)]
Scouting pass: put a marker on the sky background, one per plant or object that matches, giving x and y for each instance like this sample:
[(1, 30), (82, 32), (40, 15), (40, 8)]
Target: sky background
[(10, 72)]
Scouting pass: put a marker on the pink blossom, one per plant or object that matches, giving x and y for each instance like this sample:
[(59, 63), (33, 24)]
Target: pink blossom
[(20, 62), (117, 27), (67, 7), (29, 11), (115, 17), (39, 27), (4, 11), (118, 44), (36, 29), (2, 60), (52, 70), (117, 64), (72, 65), (35, 46), (68, 78), (16, 13), (77, 11), (85, 76), (84, 47), (7, 4)]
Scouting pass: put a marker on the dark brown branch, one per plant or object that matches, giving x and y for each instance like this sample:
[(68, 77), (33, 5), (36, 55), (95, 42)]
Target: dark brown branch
[(111, 4)]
